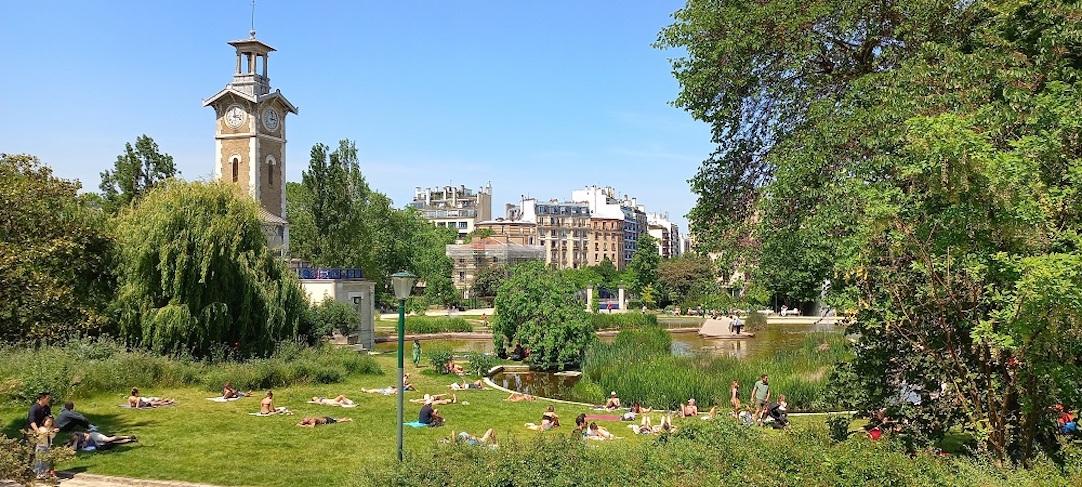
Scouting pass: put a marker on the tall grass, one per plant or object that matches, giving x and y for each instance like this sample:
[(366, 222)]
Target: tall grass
[(638, 365), (92, 366), (621, 321), (422, 325)]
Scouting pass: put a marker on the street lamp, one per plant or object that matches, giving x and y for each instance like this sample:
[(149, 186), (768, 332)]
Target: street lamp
[(402, 282)]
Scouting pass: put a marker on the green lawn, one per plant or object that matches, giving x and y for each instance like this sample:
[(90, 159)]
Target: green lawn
[(203, 441)]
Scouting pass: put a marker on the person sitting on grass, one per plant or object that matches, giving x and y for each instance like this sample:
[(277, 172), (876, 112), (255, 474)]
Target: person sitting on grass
[(429, 415), (634, 412), (92, 440), (549, 420), (595, 432), (488, 439), (580, 426), (778, 412), (746, 417), (518, 397), (339, 400), (230, 392), (437, 399), (613, 402), (465, 386), (1066, 423), (313, 421), (386, 391), (266, 406), (690, 409), (69, 420), (452, 368), (135, 401)]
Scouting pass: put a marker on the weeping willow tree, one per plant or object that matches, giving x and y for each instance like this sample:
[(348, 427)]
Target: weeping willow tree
[(197, 275)]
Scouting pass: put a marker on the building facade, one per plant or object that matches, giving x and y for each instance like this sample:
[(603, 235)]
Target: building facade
[(606, 242), (469, 258), (562, 229), (606, 207), (250, 138), (456, 207), (511, 231), (669, 243)]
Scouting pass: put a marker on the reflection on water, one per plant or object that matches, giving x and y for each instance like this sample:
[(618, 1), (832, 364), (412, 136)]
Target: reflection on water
[(773, 338)]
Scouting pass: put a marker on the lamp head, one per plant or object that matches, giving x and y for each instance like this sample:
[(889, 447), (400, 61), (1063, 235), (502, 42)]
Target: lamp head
[(403, 282)]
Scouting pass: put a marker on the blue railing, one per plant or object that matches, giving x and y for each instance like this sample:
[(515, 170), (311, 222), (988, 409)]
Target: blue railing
[(330, 273)]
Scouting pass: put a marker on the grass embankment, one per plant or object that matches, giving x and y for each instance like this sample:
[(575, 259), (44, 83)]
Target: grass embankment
[(203, 441), (640, 366), (423, 325), (621, 321)]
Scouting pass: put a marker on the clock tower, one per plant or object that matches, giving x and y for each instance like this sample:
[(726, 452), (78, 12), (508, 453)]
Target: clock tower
[(250, 138)]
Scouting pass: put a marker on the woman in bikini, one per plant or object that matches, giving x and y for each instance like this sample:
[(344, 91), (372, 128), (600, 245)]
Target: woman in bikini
[(135, 401), (313, 421), (734, 396), (549, 420), (337, 401)]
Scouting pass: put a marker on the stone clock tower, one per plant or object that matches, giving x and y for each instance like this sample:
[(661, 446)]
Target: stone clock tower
[(250, 138)]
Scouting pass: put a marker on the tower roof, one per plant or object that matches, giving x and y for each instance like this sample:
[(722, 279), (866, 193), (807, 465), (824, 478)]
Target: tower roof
[(251, 45)]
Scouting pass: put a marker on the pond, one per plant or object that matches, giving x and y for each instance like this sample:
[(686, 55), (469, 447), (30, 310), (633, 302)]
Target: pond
[(775, 337)]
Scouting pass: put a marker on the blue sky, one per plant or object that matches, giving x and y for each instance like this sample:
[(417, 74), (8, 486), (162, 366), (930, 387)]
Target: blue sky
[(539, 98)]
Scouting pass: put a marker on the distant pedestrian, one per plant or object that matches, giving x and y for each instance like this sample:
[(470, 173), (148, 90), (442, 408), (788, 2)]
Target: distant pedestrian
[(416, 352)]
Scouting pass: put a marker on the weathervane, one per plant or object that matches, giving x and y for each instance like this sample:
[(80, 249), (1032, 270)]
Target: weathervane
[(252, 32)]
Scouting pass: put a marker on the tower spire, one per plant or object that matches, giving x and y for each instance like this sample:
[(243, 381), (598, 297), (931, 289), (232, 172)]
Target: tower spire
[(251, 33)]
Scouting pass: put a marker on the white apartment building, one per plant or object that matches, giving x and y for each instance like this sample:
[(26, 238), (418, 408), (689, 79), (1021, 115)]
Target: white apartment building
[(456, 207)]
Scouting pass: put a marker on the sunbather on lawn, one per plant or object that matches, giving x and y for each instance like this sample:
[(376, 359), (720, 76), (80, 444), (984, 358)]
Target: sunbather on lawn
[(230, 392), (436, 400), (595, 432), (518, 397), (135, 401), (93, 440), (340, 400), (488, 439), (386, 391), (549, 420), (266, 406), (465, 386), (313, 421)]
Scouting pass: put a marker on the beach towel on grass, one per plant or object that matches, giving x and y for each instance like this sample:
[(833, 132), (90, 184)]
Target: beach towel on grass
[(333, 404), (416, 424), (223, 399)]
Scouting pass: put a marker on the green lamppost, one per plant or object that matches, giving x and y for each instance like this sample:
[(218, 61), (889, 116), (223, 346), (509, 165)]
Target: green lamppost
[(402, 282)]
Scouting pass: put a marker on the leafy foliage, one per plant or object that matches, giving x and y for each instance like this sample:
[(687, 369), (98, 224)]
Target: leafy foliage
[(480, 363), (56, 261), (135, 172), (332, 315), (537, 308), (922, 156), (439, 359), (643, 268), (684, 278), (487, 280), (437, 324), (197, 274)]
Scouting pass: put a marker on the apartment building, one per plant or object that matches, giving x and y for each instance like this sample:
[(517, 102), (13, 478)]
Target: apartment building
[(667, 234), (456, 207), (469, 258), (511, 231), (607, 211), (563, 229)]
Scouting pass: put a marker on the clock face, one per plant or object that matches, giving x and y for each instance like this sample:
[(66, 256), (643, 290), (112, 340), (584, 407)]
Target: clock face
[(235, 116), (270, 119)]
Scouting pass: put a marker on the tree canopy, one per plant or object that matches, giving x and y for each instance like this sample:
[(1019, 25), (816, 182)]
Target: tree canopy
[(136, 171), (538, 308), (197, 276), (642, 270), (56, 262), (923, 157)]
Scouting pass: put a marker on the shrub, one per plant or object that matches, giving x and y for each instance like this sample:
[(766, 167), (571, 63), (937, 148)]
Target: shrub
[(439, 359), (838, 426), (755, 321), (83, 367), (422, 325), (480, 363), (620, 321), (331, 315), (17, 459)]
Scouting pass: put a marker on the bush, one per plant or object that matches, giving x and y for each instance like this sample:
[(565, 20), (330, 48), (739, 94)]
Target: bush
[(659, 379), (331, 315), (85, 367), (755, 321), (704, 453), (422, 325), (439, 359), (17, 459), (620, 321), (480, 363)]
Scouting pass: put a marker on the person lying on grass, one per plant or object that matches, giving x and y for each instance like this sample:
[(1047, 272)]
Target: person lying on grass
[(452, 368), (230, 392), (429, 415), (646, 428), (437, 399), (465, 386), (549, 420), (595, 432), (488, 439), (135, 401), (92, 440), (386, 391), (518, 397), (313, 421), (266, 406), (339, 400)]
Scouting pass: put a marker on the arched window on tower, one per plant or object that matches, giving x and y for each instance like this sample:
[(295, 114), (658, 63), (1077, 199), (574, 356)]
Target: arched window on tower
[(236, 169), (272, 165)]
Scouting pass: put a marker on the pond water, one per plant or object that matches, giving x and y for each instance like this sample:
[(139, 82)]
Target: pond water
[(771, 339)]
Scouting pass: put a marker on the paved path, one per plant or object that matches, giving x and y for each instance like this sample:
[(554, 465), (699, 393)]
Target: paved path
[(90, 480)]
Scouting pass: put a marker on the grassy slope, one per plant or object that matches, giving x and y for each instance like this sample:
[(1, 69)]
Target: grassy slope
[(203, 441)]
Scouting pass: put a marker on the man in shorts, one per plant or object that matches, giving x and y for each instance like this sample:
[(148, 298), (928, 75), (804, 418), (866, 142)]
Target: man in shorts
[(760, 397)]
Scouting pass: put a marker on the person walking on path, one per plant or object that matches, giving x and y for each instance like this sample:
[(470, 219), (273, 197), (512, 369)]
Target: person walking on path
[(416, 352), (760, 397)]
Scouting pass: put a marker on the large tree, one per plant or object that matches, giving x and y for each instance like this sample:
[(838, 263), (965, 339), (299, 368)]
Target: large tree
[(679, 277), (197, 275), (923, 156), (642, 270), (56, 277), (136, 171), (538, 308)]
